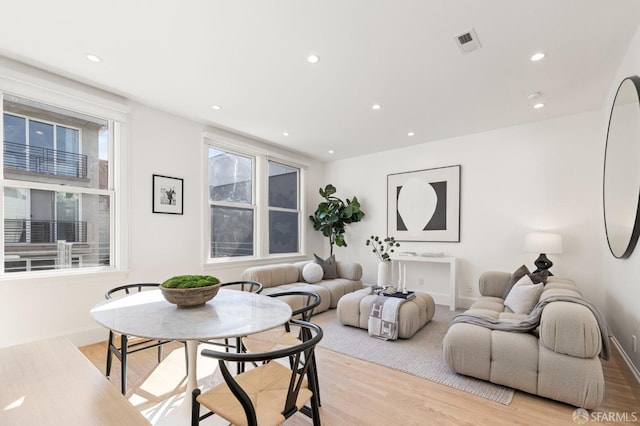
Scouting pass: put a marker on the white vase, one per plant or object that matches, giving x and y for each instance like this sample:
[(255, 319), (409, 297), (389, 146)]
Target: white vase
[(384, 273)]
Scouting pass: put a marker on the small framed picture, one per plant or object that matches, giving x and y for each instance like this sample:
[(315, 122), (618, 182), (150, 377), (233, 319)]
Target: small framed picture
[(167, 195)]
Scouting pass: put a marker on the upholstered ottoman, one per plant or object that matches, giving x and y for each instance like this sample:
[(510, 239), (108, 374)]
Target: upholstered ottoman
[(353, 309)]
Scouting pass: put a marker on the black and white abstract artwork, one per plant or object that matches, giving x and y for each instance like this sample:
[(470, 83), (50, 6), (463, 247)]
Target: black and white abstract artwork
[(424, 205)]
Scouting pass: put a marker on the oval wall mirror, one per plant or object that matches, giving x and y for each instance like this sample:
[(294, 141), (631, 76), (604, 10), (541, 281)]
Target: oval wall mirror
[(621, 186)]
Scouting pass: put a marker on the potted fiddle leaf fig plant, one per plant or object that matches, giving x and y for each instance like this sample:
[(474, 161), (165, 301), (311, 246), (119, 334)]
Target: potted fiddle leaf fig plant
[(333, 214)]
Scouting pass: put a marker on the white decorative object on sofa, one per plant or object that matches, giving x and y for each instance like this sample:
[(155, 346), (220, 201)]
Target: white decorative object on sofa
[(312, 273)]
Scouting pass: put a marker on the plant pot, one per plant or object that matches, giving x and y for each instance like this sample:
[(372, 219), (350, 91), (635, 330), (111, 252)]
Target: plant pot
[(190, 297), (384, 273)]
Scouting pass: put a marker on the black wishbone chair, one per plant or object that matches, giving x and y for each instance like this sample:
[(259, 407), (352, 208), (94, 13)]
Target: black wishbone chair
[(271, 392), (251, 287), (304, 303), (129, 344)]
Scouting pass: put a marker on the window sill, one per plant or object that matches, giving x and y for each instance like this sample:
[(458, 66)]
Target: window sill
[(228, 263), (80, 273)]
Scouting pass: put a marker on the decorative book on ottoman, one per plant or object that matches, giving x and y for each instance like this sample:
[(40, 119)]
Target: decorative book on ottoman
[(408, 296)]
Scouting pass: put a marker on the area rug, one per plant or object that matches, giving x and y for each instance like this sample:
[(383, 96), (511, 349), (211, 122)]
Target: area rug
[(421, 355)]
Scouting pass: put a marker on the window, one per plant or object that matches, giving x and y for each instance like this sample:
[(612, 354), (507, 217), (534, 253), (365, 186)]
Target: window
[(243, 188), (231, 198), (58, 200), (283, 209)]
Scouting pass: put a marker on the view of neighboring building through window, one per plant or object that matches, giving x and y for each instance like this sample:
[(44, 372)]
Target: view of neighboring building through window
[(232, 209), (57, 199), (234, 203), (283, 209)]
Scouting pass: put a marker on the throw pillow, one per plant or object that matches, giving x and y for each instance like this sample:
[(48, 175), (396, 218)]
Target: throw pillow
[(515, 277), (524, 295), (328, 266), (312, 273), (539, 277)]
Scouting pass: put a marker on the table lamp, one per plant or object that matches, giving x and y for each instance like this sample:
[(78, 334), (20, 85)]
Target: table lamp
[(543, 243)]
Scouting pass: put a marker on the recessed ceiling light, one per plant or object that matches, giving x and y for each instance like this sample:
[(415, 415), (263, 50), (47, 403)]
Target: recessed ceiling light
[(376, 106), (533, 95), (537, 56), (330, 151), (539, 105), (216, 107), (285, 133), (94, 58), (313, 59), (411, 134)]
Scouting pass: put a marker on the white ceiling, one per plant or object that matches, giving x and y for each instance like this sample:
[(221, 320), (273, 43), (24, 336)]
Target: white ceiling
[(249, 56)]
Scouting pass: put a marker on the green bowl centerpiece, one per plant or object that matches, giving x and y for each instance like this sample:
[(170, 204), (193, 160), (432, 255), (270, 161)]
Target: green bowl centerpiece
[(187, 291)]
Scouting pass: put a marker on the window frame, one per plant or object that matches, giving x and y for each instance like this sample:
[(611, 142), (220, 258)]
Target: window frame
[(270, 208), (261, 159), (252, 205), (74, 97)]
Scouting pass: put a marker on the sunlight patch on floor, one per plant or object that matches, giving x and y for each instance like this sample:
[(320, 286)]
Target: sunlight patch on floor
[(163, 388)]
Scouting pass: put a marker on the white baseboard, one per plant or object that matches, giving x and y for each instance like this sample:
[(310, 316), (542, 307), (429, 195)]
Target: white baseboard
[(79, 337), (439, 298), (88, 336), (633, 368)]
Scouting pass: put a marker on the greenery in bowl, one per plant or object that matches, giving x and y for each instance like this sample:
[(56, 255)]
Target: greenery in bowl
[(190, 281)]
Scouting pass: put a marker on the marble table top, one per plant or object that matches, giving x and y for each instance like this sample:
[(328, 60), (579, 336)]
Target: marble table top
[(231, 313)]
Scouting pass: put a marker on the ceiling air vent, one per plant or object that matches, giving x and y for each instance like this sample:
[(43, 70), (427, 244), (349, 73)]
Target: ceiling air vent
[(468, 41)]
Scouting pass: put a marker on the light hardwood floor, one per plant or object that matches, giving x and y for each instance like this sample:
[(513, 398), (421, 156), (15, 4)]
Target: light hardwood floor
[(356, 392)]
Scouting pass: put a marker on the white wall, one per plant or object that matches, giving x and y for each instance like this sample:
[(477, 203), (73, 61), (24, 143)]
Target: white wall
[(621, 277), (543, 176), (159, 246)]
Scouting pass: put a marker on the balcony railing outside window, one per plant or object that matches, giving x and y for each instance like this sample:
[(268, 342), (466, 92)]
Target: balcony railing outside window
[(44, 160), (44, 231), (231, 249)]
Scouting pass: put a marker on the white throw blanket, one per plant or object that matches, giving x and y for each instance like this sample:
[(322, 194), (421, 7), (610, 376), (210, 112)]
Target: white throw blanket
[(383, 317)]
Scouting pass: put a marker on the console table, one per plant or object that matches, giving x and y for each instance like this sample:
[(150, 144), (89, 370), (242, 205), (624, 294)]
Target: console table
[(400, 264)]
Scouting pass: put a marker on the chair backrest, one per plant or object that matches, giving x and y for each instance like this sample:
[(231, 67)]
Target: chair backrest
[(128, 289), (310, 301), (250, 286), (299, 357)]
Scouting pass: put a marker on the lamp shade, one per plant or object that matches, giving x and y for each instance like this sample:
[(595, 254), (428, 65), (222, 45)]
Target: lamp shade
[(543, 242)]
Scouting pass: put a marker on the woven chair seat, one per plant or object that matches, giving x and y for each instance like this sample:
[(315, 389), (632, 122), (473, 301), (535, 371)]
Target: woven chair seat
[(276, 338), (270, 381)]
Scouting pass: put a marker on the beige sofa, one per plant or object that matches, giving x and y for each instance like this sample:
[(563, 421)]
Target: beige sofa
[(558, 360), (288, 277)]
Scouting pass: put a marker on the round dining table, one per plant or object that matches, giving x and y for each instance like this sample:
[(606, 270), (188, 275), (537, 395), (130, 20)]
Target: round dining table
[(231, 313)]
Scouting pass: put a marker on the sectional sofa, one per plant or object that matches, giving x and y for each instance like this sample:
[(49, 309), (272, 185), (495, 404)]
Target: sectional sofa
[(291, 276), (559, 359)]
